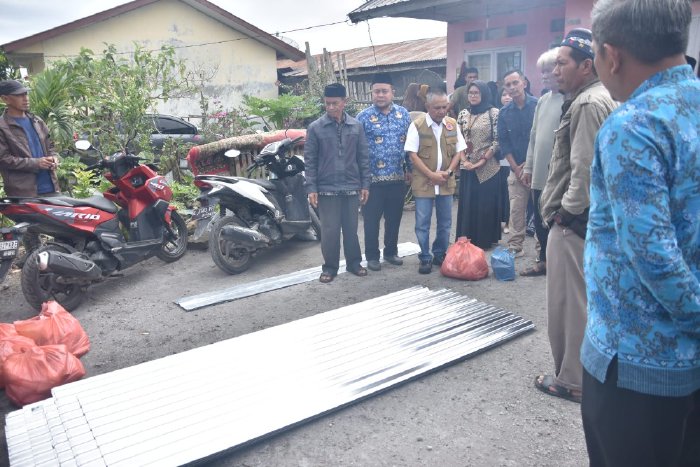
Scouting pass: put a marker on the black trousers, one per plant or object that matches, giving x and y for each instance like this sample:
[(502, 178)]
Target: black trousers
[(384, 200), (627, 428), (541, 231), (339, 213)]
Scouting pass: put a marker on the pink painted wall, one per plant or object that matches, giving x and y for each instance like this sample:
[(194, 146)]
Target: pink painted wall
[(538, 39), (578, 14)]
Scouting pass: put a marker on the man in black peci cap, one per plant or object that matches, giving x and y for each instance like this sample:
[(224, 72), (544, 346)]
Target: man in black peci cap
[(386, 125), (337, 181), (564, 207), (27, 157)]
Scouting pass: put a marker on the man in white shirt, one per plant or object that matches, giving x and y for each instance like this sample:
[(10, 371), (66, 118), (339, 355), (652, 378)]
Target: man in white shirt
[(435, 145)]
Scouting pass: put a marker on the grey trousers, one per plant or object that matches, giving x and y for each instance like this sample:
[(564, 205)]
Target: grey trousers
[(339, 213), (566, 304)]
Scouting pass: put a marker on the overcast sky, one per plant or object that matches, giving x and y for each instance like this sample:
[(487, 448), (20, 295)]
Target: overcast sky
[(22, 18)]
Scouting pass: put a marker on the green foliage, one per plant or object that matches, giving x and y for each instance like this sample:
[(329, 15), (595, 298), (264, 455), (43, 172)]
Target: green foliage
[(173, 150), (8, 70), (111, 93), (184, 193), (84, 182), (284, 112), (224, 123), (50, 100), (64, 172)]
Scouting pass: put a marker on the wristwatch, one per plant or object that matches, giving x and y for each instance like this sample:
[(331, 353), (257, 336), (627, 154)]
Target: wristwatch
[(450, 173)]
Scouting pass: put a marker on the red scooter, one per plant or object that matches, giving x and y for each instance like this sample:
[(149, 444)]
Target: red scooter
[(95, 237)]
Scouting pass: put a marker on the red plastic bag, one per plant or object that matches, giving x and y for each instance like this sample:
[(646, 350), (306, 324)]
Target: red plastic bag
[(7, 330), (11, 345), (30, 374), (53, 326), (465, 261)]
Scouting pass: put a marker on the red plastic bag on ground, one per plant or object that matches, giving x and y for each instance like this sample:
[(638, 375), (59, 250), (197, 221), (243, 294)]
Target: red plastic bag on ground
[(7, 330), (55, 325), (11, 345), (465, 261), (30, 375)]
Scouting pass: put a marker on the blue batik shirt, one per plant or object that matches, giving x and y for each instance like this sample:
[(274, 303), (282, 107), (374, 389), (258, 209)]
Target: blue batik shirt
[(386, 135), (642, 255)]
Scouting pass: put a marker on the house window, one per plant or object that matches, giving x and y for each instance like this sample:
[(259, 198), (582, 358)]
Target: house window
[(472, 36), (515, 30), (557, 25), (492, 64), (495, 33)]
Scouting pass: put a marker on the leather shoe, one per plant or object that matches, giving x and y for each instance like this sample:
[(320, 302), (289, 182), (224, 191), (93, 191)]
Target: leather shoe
[(393, 259), (437, 260), (374, 265), (425, 267)]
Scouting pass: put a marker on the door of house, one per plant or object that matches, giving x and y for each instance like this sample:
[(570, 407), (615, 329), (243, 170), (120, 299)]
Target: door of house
[(492, 64)]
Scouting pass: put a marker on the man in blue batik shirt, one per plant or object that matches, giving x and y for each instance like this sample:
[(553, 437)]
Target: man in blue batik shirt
[(386, 125), (641, 350)]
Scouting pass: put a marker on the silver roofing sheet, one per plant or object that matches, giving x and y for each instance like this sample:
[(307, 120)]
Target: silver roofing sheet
[(212, 399), (195, 302)]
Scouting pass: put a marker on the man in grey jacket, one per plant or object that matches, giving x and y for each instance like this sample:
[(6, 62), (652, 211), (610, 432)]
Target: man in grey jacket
[(564, 206), (337, 181)]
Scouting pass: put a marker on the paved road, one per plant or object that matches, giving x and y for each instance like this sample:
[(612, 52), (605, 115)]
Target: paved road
[(481, 412)]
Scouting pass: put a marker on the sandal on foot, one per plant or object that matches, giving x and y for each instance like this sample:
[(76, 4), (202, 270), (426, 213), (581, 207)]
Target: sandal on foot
[(360, 271), (546, 384), (326, 277), (535, 270)]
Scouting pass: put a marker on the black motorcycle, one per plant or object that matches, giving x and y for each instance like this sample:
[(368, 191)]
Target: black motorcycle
[(257, 214)]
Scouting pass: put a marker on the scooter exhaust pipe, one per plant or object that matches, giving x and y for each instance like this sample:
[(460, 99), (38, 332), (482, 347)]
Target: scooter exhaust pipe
[(244, 236), (68, 265)]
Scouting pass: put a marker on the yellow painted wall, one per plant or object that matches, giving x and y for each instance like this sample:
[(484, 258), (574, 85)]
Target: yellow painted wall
[(240, 66)]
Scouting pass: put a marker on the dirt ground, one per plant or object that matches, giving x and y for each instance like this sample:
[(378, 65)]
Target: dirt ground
[(483, 411)]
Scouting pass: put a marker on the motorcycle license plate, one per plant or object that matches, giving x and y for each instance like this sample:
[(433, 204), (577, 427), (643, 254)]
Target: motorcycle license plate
[(204, 213), (8, 249)]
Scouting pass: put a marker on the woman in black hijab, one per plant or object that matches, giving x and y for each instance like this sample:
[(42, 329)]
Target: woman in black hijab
[(478, 214)]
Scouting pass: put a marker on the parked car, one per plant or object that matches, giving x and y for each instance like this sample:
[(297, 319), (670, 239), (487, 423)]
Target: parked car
[(166, 127)]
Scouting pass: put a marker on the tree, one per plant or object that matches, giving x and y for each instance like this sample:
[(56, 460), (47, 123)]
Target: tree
[(111, 93), (50, 100), (8, 70), (282, 112)]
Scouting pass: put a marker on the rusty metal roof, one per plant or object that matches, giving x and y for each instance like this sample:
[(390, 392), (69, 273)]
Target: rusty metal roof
[(398, 53)]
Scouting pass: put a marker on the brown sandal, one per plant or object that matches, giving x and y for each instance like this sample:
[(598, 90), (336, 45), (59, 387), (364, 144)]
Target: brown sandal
[(360, 271), (326, 277)]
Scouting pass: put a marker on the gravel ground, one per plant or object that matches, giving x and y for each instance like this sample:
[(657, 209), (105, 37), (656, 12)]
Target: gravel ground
[(483, 411)]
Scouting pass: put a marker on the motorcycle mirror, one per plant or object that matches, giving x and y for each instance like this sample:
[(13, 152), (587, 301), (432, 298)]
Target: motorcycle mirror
[(232, 153), (83, 145)]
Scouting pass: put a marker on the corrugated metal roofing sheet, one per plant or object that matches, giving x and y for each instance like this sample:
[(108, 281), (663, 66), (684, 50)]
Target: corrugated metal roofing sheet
[(372, 4), (418, 50)]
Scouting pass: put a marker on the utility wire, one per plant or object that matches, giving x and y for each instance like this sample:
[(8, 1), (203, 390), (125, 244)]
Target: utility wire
[(218, 42)]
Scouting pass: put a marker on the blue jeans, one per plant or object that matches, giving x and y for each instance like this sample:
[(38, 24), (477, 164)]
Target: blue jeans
[(424, 213)]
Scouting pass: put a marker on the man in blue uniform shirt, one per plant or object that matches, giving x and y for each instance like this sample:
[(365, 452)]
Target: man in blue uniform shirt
[(386, 125), (641, 350)]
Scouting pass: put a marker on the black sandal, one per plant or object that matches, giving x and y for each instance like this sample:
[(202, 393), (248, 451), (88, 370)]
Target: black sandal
[(326, 277), (546, 384), (360, 271)]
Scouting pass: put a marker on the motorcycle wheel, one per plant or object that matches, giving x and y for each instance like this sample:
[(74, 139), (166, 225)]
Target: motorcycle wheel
[(39, 287), (315, 223), (227, 256), (174, 248)]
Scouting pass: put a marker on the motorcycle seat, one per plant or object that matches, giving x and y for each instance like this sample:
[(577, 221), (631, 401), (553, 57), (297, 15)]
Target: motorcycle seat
[(98, 202)]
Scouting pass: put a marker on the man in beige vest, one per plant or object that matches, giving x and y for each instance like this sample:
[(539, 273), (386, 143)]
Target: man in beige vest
[(435, 145)]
